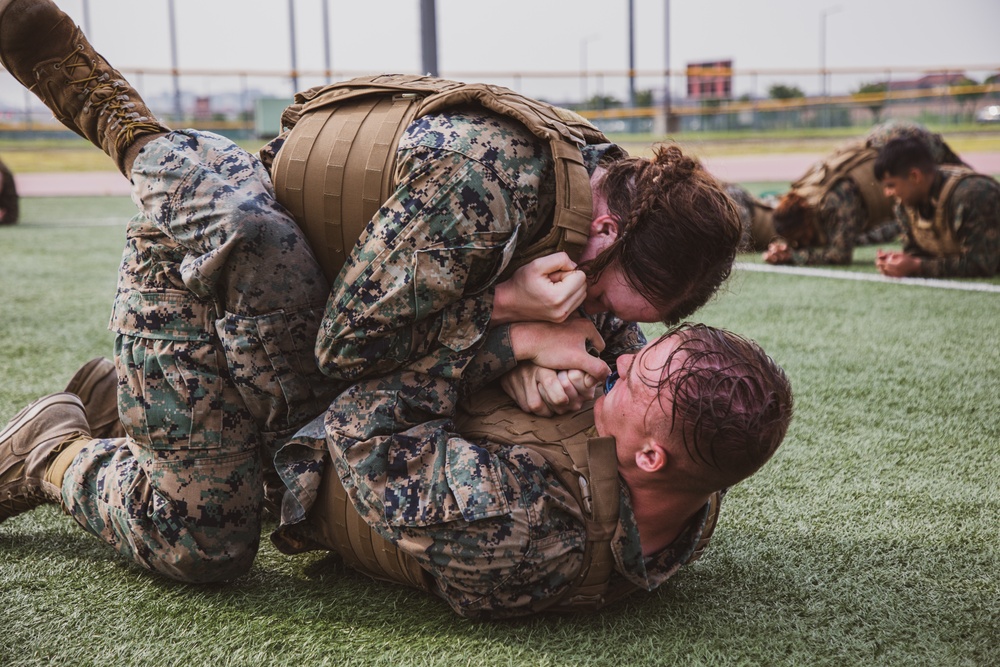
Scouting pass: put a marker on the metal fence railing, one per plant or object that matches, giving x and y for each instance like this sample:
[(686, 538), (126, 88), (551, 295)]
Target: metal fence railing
[(232, 100)]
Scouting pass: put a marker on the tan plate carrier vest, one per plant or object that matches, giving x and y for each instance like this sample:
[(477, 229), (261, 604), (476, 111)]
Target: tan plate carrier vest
[(586, 466), (337, 165), (856, 162), (937, 236)]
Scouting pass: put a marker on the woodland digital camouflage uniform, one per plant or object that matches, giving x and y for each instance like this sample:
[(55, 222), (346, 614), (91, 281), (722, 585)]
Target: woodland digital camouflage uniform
[(842, 212), (479, 185), (417, 291), (217, 311), (491, 523), (842, 215), (744, 202), (974, 214), (218, 304)]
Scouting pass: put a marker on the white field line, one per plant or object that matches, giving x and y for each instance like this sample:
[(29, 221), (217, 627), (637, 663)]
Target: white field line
[(868, 277)]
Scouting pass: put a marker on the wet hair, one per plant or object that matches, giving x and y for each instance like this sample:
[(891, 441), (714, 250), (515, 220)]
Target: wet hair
[(794, 217), (900, 155), (678, 230), (728, 400)]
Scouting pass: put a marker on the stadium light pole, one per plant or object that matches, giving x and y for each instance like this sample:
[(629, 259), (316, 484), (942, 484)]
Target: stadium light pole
[(822, 58), (584, 44), (326, 38), (178, 112), (291, 34), (428, 37), (86, 18)]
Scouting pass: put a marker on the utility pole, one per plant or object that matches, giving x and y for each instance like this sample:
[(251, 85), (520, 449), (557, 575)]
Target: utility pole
[(326, 37), (631, 53), (666, 66), (822, 62), (428, 38), (291, 32), (178, 111)]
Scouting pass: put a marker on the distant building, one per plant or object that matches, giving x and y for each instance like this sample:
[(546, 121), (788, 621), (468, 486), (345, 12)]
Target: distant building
[(929, 81)]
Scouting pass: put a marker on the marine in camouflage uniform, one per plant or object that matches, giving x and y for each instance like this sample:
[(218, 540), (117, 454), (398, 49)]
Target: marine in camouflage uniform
[(217, 306), (415, 295), (220, 299), (755, 218), (973, 213), (496, 531), (218, 303), (10, 202), (842, 213)]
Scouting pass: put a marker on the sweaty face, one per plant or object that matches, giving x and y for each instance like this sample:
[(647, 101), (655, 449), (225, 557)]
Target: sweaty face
[(632, 404)]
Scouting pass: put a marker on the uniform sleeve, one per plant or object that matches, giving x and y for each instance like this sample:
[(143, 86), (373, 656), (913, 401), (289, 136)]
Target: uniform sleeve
[(496, 356), (620, 337), (976, 214), (420, 283), (884, 233), (841, 214), (487, 521)]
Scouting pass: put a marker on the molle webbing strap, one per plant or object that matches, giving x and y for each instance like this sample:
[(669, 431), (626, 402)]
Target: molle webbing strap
[(343, 142), (596, 464), (346, 153), (574, 210)]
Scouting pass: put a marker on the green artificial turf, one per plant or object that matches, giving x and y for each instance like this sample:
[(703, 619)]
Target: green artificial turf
[(870, 539)]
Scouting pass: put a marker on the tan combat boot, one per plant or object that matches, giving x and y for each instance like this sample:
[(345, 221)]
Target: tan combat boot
[(45, 51), (96, 383), (31, 443)]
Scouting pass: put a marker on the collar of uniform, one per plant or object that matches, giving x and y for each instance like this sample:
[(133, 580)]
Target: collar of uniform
[(593, 154), (926, 209), (648, 573)]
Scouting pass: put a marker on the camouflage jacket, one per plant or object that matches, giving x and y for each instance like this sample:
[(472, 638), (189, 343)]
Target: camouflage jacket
[(473, 188), (411, 320), (973, 211), (491, 523), (842, 217)]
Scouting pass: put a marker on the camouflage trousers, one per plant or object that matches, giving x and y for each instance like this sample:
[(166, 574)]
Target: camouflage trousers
[(218, 304)]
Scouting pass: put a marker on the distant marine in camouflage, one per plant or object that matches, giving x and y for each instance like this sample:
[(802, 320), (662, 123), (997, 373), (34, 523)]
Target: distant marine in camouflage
[(839, 204)]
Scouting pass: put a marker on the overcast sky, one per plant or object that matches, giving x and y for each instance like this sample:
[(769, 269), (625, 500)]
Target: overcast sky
[(479, 37)]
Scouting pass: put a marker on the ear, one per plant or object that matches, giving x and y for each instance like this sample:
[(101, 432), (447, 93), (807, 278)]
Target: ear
[(605, 226), (651, 457)]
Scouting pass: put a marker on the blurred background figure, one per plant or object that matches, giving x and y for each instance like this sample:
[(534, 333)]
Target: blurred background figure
[(949, 214), (756, 216), (9, 201), (838, 203)]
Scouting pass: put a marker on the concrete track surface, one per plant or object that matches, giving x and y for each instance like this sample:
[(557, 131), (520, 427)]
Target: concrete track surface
[(737, 169)]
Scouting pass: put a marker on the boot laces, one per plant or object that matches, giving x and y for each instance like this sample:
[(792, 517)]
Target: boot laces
[(105, 96)]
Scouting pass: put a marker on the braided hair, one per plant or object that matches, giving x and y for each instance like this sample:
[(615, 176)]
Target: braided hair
[(678, 230)]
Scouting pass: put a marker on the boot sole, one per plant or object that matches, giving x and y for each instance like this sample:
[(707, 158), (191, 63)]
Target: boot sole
[(34, 409)]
